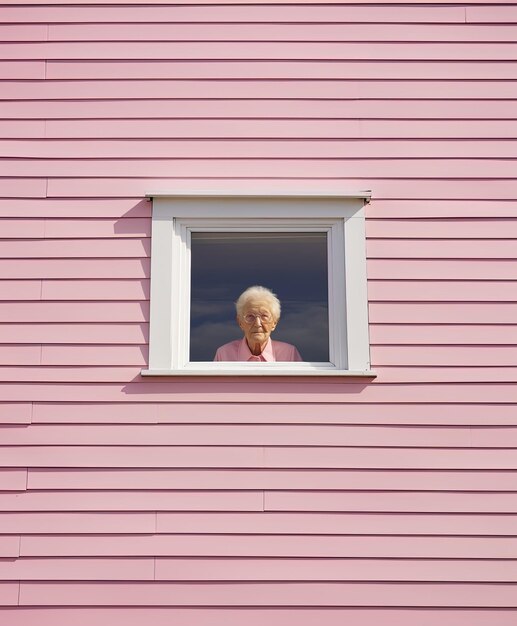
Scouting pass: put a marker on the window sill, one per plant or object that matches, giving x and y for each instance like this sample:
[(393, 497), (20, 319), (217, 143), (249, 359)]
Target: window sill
[(264, 369)]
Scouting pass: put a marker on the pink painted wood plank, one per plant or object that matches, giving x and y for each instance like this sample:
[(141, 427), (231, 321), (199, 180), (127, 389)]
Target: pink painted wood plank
[(258, 569), (22, 228), (270, 50), (275, 457), (455, 269), (81, 569), (497, 248), (254, 2), (279, 32), (64, 523), (239, 391), (432, 334), (270, 413), (94, 355), (396, 70), (421, 168), (225, 14), (79, 374), (412, 290), (74, 312), (433, 374), (103, 479), (21, 187), (74, 248), (238, 435), (448, 313), (269, 545), (19, 289), (178, 435), (270, 148), (444, 355), (290, 87), (20, 355), (9, 593), (131, 227), (235, 616), (191, 456), (426, 502), (269, 594), (133, 501), (74, 268), (388, 458), (302, 413), (488, 437), (442, 229), (440, 208), (20, 70), (10, 129), (13, 479), (20, 413), (75, 207), (279, 129), (332, 569), (81, 333), (337, 523), (9, 546), (101, 413), (491, 14), (23, 32), (95, 290)]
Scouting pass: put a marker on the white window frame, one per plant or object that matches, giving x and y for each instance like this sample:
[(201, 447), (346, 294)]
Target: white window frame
[(176, 215)]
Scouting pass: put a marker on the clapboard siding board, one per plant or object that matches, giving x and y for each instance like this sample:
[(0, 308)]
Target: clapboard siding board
[(267, 168), (78, 333), (271, 413), (92, 90), (74, 248), (139, 501), (160, 51), (221, 13), (258, 149), (78, 268), (233, 501), (75, 208), (248, 569), (259, 523), (110, 569), (247, 435), (224, 457), (398, 70), (270, 545), (271, 391), (273, 128), (275, 32), (298, 480), (268, 594), (255, 616)]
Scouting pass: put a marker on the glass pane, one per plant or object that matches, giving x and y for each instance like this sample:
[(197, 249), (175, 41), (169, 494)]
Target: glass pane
[(292, 265)]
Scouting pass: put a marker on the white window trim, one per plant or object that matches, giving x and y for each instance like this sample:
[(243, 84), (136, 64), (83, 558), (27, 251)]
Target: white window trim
[(176, 215)]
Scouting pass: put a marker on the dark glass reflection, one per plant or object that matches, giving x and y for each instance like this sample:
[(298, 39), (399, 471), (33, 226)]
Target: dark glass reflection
[(292, 265)]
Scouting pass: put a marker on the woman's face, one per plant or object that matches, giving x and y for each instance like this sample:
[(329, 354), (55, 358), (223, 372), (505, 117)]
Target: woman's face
[(257, 322)]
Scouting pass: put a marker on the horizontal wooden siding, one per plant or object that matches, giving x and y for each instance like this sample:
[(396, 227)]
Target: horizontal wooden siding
[(226, 502)]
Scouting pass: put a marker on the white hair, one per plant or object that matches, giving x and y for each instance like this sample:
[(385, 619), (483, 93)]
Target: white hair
[(259, 293)]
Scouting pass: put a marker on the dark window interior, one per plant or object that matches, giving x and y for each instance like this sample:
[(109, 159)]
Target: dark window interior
[(293, 265)]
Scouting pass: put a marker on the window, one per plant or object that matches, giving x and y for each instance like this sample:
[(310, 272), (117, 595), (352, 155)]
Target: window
[(310, 251)]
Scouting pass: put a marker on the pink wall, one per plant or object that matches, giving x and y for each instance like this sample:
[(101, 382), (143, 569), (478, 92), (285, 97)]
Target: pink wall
[(221, 502)]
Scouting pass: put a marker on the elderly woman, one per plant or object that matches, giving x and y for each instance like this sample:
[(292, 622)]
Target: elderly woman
[(258, 312)]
